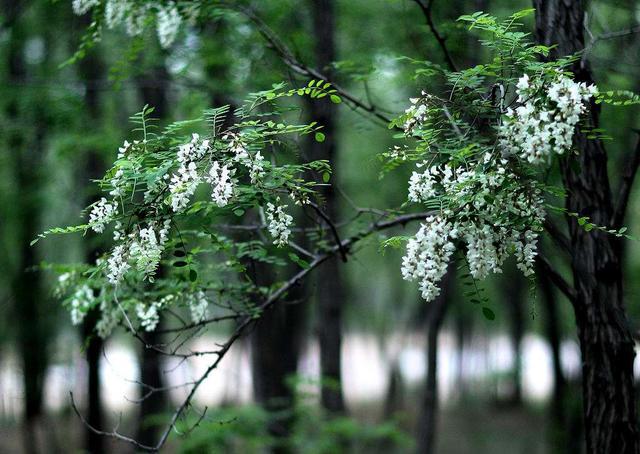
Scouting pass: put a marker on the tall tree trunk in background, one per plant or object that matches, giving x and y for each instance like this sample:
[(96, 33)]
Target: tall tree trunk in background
[(559, 435), (426, 430), (275, 343), (514, 287), (26, 285), (330, 287), (152, 87), (91, 69), (606, 342)]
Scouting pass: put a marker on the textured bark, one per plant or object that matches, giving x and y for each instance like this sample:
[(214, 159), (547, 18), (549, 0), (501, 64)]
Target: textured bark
[(427, 423), (606, 342), (330, 286)]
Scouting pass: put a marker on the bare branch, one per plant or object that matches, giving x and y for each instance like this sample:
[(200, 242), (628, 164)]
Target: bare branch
[(558, 236), (427, 7), (557, 279), (334, 231), (605, 36), (297, 66), (113, 434), (628, 176)]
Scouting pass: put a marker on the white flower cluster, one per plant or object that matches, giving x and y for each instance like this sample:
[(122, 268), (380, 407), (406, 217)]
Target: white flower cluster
[(186, 180), (487, 208), (417, 113), (136, 14), (168, 24), (149, 316), (422, 185), (278, 223), (101, 214), (220, 179), (117, 264), (198, 305), (111, 315), (147, 248), (81, 301), (428, 254), (144, 248), (546, 118), (255, 164), (82, 6)]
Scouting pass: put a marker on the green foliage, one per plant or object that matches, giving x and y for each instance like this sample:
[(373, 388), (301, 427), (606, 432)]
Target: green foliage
[(244, 429)]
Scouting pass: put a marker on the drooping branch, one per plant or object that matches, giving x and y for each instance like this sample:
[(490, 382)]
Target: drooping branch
[(427, 9), (248, 320)]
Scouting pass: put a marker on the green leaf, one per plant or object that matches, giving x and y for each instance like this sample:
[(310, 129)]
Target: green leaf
[(238, 212), (335, 99), (193, 275), (180, 264), (488, 313), (326, 176), (320, 137)]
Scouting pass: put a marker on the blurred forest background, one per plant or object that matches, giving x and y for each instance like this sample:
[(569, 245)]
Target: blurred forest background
[(507, 380)]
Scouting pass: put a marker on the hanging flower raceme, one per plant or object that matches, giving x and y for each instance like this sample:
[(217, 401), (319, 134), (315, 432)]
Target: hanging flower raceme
[(489, 203), (278, 222), (428, 255), (220, 179), (546, 118)]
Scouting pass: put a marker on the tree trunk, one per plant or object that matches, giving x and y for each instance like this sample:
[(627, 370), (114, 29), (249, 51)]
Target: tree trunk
[(330, 286), (394, 399), (426, 433), (91, 69), (275, 351), (559, 433), (606, 341), (152, 87), (514, 297), (94, 443), (26, 283)]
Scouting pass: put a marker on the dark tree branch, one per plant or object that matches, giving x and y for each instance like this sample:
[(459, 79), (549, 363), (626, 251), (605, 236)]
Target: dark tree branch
[(427, 7), (247, 321), (557, 279), (113, 434), (558, 236), (628, 176), (605, 36), (334, 230), (297, 66)]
